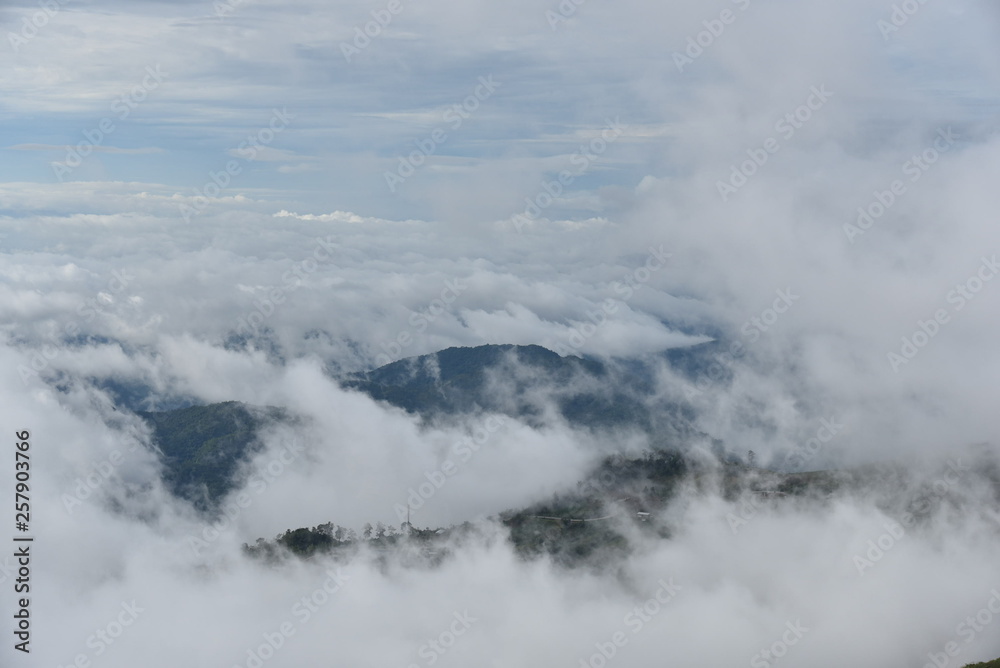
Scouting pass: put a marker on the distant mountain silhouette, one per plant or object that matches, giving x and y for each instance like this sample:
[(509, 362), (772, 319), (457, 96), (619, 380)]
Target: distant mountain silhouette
[(203, 446), (525, 382)]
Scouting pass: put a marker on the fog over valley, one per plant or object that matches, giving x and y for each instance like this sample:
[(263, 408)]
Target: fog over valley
[(505, 335)]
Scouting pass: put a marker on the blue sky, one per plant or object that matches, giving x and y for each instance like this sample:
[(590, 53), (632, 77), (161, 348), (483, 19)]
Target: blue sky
[(587, 146), (672, 203), (224, 73)]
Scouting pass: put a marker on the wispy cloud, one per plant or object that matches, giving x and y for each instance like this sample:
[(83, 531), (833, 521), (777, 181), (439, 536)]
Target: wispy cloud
[(95, 149)]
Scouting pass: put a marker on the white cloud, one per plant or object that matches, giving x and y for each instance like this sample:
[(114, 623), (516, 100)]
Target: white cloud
[(337, 268)]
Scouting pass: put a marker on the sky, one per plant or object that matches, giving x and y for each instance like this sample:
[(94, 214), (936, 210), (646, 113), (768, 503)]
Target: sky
[(245, 200)]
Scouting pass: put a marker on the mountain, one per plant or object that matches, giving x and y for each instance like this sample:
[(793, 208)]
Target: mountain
[(202, 447), (532, 384), (593, 525)]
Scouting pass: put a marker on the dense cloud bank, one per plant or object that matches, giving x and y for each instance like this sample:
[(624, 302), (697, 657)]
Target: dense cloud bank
[(808, 188), (914, 549)]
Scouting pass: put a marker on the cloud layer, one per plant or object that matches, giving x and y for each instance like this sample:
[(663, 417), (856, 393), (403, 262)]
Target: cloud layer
[(811, 186)]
